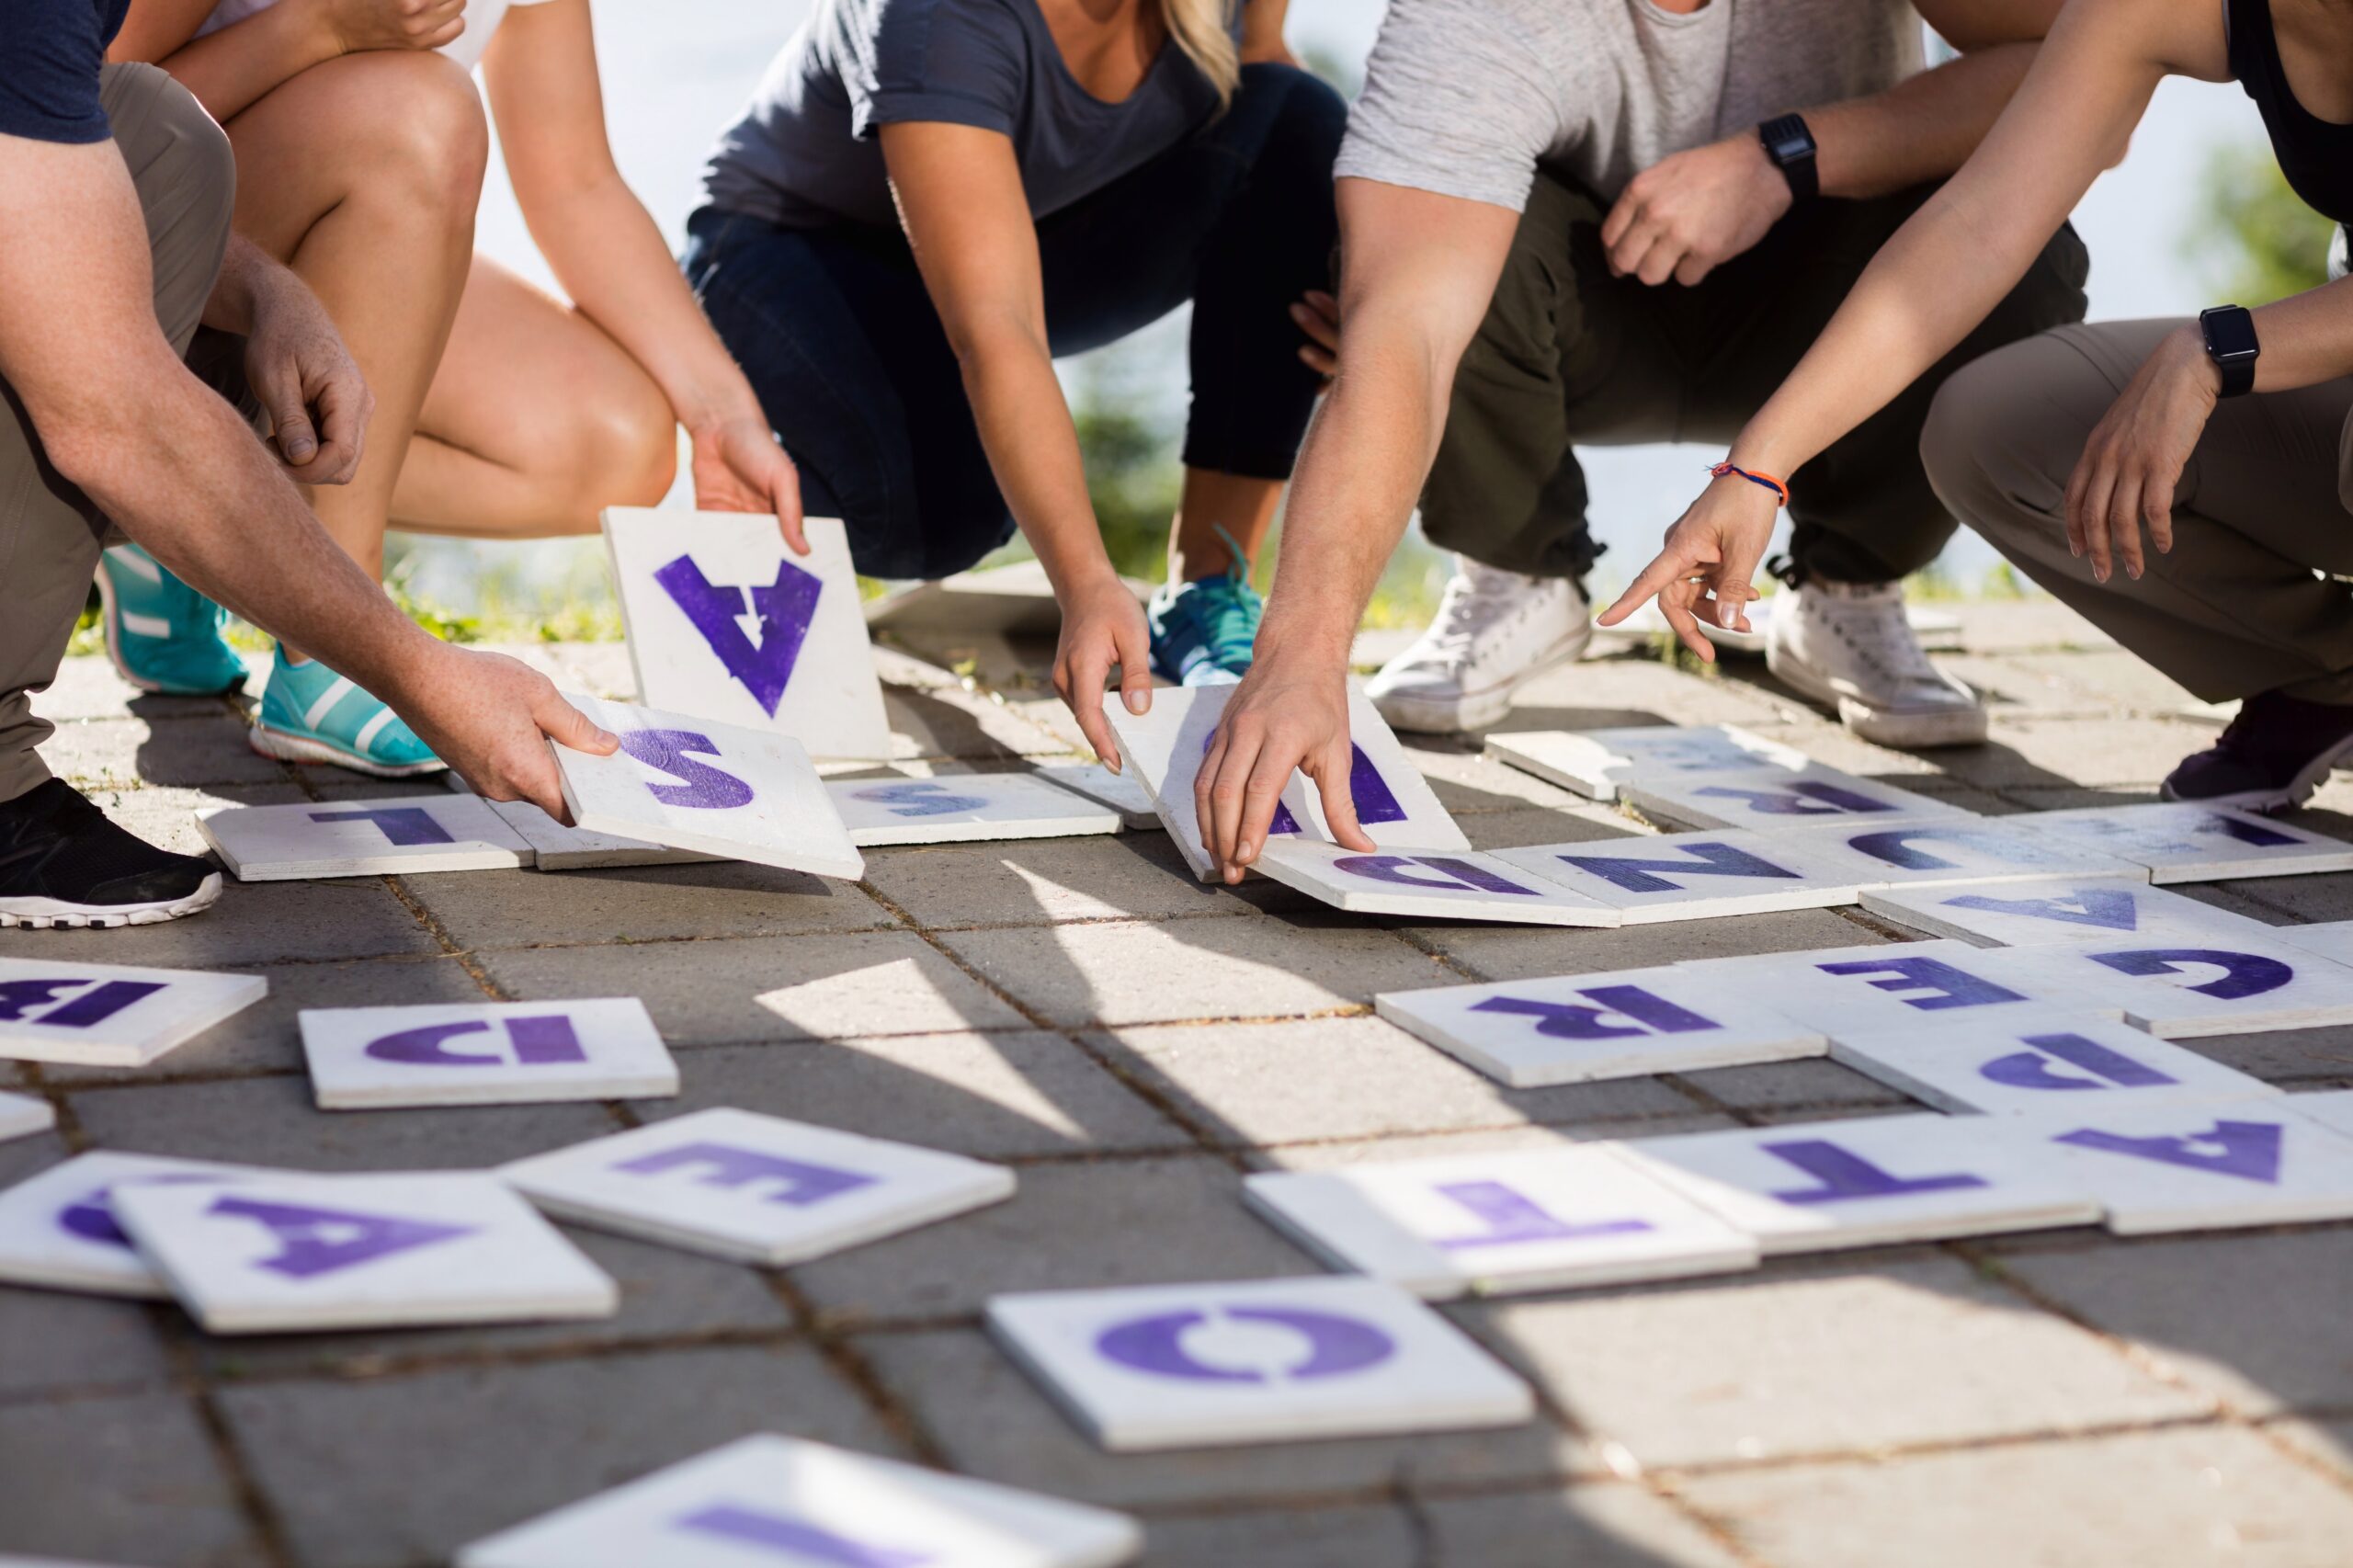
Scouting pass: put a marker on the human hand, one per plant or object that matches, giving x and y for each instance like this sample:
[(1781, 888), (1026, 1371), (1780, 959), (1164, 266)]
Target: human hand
[(317, 403), (489, 717), (1279, 719), (738, 467), (2134, 457), (353, 25), (1708, 565), (1102, 626), (1318, 315), (1692, 211)]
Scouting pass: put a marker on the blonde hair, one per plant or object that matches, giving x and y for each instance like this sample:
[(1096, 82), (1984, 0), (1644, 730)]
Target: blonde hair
[(1203, 30)]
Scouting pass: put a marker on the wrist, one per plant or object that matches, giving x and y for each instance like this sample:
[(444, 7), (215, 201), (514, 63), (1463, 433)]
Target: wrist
[(326, 42), (2183, 352)]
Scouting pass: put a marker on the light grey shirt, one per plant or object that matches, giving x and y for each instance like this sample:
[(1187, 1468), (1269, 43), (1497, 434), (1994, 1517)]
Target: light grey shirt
[(1470, 97)]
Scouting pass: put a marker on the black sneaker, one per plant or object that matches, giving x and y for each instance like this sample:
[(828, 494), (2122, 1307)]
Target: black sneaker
[(62, 863), (2274, 754)]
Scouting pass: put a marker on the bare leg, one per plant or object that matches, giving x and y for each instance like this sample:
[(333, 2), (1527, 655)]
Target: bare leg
[(362, 174), (535, 421), (1243, 508)]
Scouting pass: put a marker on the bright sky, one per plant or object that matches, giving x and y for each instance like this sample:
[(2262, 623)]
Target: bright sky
[(676, 74)]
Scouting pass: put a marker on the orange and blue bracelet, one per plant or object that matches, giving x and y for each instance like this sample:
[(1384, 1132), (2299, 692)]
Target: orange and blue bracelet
[(1766, 480)]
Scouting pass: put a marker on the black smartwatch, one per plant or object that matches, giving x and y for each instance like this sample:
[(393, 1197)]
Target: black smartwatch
[(1791, 146), (2230, 343)]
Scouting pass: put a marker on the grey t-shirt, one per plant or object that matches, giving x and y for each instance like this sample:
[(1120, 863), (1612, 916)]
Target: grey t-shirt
[(804, 154), (1470, 97)]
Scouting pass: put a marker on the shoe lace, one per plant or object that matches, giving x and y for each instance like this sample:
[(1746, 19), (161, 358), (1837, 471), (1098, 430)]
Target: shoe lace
[(1475, 597), (1876, 629)]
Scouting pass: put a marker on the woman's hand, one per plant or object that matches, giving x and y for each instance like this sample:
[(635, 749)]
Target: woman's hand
[(1708, 567), (738, 467), (2134, 457), (1102, 626), (359, 25), (1317, 315)]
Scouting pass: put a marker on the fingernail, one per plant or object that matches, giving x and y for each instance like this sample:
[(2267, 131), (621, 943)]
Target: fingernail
[(1248, 853), (1135, 701)]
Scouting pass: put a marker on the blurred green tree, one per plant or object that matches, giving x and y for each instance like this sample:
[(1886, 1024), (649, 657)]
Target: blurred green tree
[(2260, 242)]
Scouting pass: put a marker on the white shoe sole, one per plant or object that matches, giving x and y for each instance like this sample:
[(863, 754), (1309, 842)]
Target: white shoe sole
[(1475, 710), (284, 747), (48, 914), (1922, 730)]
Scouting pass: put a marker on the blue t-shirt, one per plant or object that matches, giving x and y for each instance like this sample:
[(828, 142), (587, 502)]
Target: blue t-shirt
[(804, 154), (50, 55)]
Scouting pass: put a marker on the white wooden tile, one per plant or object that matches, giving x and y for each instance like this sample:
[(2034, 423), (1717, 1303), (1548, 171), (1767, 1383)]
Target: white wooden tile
[(1947, 849), (755, 1188), (2187, 1166), (2177, 990), (21, 1116), (1883, 986), (485, 1053), (362, 839), (1771, 799), (726, 623), (295, 1252), (2332, 939), (555, 847), (1595, 762), (2055, 909), (2038, 1062), (1016, 600), (963, 808), (1689, 876), (1255, 1362), (1499, 1222), (58, 1231), (742, 794), (1867, 1181), (1575, 1028), (2333, 1108), (1123, 793), (1423, 885), (2182, 842), (1394, 802), (102, 1015), (789, 1501)]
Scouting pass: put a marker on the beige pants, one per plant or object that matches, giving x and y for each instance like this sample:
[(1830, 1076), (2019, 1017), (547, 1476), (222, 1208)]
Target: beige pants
[(2264, 506), (50, 534)]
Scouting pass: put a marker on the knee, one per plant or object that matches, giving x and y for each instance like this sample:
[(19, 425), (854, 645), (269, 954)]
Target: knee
[(172, 146), (624, 448), (416, 128)]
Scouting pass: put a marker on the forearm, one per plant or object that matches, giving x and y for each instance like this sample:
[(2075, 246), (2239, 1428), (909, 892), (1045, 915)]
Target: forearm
[(1032, 445), (1922, 128), (2306, 338), (229, 69), (611, 261)]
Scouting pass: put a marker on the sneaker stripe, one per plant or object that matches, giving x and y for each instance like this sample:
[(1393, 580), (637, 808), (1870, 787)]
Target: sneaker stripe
[(133, 560), (317, 715), (144, 625), (371, 729)]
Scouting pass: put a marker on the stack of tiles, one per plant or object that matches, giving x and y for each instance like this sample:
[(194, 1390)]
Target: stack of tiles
[(694, 590), (362, 839), (2058, 909), (774, 1499), (1463, 886), (1774, 798), (1687, 876), (1123, 793)]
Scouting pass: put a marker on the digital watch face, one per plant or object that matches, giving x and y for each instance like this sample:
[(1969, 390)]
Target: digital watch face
[(2229, 335), (1789, 147)]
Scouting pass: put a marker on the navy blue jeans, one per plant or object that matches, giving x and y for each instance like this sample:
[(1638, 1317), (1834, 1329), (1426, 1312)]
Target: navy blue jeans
[(841, 342)]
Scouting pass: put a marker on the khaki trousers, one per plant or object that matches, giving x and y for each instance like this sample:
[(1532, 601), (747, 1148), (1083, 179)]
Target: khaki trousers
[(2266, 504), (50, 533), (1570, 355)]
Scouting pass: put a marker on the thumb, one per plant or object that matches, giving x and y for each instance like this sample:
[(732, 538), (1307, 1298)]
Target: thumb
[(289, 417), (567, 726), (1339, 800)]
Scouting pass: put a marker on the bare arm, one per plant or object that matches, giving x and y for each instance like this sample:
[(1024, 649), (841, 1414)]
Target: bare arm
[(1420, 271), (229, 69), (156, 449), (541, 74), (1262, 33), (961, 197)]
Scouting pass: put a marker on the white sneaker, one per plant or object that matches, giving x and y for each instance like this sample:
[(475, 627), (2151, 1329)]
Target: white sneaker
[(1847, 646), (1493, 631)]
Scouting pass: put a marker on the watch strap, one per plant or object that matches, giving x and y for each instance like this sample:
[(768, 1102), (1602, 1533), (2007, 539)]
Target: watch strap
[(2236, 367)]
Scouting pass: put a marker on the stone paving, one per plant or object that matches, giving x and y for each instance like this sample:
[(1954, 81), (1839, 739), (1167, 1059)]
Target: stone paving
[(1134, 1042)]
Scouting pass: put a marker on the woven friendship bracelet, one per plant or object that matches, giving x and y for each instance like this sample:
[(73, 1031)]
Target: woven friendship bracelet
[(1766, 480)]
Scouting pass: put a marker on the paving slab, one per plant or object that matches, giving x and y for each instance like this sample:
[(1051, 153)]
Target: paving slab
[(496, 909), (271, 1121), (993, 1422), (165, 816), (2206, 1496), (1356, 1077), (2258, 1320), (89, 689), (1374, 1536), (1243, 968), (167, 1502), (1797, 1361), (1017, 1094), (254, 923), (767, 988), (2299, 1058), (1586, 1524), (359, 1470), (1636, 689), (86, 1342), (2327, 1444), (2085, 753), (1143, 1222), (180, 751), (1049, 881)]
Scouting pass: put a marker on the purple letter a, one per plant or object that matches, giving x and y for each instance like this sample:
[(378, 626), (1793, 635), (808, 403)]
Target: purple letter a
[(323, 1241)]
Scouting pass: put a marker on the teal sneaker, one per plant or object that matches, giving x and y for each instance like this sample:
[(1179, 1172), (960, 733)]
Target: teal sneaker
[(1202, 631), (162, 635), (309, 713)]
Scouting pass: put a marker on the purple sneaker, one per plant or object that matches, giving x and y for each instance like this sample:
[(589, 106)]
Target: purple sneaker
[(2274, 754)]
